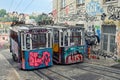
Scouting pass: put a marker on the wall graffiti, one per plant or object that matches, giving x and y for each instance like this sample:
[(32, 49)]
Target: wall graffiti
[(35, 59), (89, 18), (81, 15), (97, 30), (92, 35), (93, 8), (69, 14), (113, 12)]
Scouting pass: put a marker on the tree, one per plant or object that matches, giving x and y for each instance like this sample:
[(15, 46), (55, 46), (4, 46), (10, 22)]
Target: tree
[(2, 12), (33, 17), (42, 19)]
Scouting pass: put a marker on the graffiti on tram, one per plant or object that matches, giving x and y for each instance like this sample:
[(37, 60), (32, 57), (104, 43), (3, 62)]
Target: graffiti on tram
[(38, 58), (74, 55), (73, 58), (35, 59)]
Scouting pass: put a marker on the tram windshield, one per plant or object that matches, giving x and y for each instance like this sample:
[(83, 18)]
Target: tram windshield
[(70, 38), (37, 38), (75, 38)]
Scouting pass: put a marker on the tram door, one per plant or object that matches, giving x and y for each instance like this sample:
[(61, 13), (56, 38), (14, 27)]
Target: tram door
[(60, 40)]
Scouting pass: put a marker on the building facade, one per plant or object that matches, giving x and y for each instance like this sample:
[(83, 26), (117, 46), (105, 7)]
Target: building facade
[(110, 26), (4, 32), (103, 15)]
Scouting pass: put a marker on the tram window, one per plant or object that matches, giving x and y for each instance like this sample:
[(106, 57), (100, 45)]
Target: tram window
[(78, 37), (56, 37), (66, 39), (28, 41), (71, 39), (61, 38), (42, 39), (75, 38), (39, 40), (22, 41), (49, 40)]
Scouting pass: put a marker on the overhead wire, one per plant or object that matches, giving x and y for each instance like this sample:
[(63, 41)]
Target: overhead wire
[(28, 5), (11, 4), (18, 5)]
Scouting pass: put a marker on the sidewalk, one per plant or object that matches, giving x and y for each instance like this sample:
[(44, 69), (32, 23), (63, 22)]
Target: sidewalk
[(7, 72), (102, 61)]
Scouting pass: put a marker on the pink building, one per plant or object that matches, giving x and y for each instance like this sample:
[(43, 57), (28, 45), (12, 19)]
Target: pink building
[(4, 32)]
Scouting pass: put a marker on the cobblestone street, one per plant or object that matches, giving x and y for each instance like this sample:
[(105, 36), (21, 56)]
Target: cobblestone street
[(80, 71)]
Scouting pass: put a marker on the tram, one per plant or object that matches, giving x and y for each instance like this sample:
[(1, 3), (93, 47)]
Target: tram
[(31, 46), (68, 44)]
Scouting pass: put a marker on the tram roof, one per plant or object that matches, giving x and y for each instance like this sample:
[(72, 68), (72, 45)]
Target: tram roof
[(26, 27), (59, 27), (67, 27)]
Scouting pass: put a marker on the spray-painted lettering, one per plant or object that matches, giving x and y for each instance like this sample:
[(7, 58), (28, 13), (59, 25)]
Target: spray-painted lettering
[(36, 60), (114, 12), (74, 58), (93, 8)]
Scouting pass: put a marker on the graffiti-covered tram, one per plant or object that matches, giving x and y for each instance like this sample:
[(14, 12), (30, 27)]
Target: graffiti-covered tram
[(68, 44), (31, 46)]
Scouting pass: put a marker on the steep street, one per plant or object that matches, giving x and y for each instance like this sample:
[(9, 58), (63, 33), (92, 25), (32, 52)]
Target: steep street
[(79, 71)]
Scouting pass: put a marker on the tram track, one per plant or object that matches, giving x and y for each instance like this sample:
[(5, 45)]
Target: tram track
[(51, 75), (100, 70)]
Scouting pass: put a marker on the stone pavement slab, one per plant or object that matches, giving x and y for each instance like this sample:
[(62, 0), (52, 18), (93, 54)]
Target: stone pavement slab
[(102, 61), (7, 72)]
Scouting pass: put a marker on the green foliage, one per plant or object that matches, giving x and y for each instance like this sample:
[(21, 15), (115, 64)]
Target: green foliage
[(2, 13), (33, 17), (118, 60), (42, 19), (14, 19)]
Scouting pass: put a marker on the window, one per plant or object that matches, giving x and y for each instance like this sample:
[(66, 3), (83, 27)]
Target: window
[(109, 1), (66, 38), (39, 40), (112, 43), (56, 36), (75, 38), (108, 38), (62, 3), (80, 2), (62, 36)]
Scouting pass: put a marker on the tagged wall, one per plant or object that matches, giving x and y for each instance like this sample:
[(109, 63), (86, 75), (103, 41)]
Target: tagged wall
[(111, 18), (75, 12)]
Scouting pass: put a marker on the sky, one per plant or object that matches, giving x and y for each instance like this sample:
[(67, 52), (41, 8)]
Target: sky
[(27, 6)]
